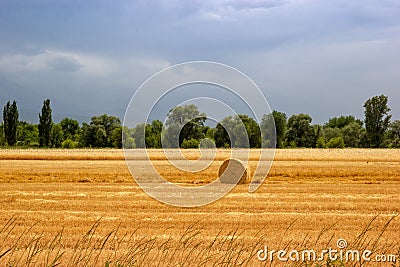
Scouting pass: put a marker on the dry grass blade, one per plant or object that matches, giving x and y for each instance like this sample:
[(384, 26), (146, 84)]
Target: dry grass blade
[(55, 252), (190, 249), (5, 232)]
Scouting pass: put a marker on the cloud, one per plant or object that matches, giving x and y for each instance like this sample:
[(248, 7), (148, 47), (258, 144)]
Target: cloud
[(61, 64), (44, 61), (82, 64), (327, 79), (103, 51), (88, 81)]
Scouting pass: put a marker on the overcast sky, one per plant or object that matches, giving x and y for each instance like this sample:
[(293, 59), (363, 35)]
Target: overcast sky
[(324, 58)]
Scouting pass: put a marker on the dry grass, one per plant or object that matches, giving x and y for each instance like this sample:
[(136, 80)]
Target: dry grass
[(310, 199), (343, 155), (190, 246)]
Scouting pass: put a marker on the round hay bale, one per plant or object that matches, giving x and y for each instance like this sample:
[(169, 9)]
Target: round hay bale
[(233, 171)]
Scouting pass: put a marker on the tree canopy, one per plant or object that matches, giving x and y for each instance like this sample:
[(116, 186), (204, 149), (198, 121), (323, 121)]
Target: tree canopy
[(238, 131), (300, 133), (377, 119), (183, 123)]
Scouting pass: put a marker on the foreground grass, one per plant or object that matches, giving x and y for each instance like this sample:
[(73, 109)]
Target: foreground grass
[(227, 248)]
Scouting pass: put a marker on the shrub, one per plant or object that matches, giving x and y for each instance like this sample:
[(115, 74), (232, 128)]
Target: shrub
[(321, 143), (68, 143), (191, 143), (336, 142)]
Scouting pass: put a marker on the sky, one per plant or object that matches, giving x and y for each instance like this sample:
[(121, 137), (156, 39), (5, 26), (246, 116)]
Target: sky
[(324, 58)]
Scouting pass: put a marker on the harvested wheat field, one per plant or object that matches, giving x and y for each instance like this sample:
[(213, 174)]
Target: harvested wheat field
[(83, 208)]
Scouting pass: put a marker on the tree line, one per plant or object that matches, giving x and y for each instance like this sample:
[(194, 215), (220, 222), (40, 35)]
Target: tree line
[(102, 131), (185, 127)]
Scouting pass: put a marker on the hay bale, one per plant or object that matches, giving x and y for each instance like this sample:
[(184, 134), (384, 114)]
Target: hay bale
[(233, 171)]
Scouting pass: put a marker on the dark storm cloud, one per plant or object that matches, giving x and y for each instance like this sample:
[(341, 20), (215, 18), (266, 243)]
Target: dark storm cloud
[(321, 57)]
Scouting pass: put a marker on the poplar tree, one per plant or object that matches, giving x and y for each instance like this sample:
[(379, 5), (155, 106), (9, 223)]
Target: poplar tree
[(45, 124), (10, 122)]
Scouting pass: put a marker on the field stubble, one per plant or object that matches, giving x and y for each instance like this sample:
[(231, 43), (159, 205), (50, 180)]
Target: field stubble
[(310, 199)]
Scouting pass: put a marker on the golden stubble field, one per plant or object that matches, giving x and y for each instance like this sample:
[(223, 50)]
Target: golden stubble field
[(82, 207)]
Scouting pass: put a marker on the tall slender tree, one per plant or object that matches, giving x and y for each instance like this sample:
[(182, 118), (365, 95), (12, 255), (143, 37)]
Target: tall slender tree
[(377, 119), (10, 119), (2, 139), (45, 124)]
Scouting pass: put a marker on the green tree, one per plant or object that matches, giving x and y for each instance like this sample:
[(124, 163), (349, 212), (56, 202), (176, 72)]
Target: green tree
[(183, 122), (152, 139), (280, 125), (2, 140), (116, 137), (319, 132), (191, 143), (68, 143), (244, 132), (319, 136), (347, 127), (127, 137), (352, 134), (100, 131), (99, 134), (45, 124), (10, 122), (70, 128), (109, 124), (329, 133), (321, 143), (153, 134), (253, 131), (221, 136), (148, 135), (336, 142), (377, 119), (364, 142), (139, 136), (86, 138), (93, 135), (27, 134), (394, 134), (267, 125), (342, 121), (210, 133), (300, 132), (56, 136)]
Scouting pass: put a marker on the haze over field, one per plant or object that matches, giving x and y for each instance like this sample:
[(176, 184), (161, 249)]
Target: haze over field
[(89, 57)]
